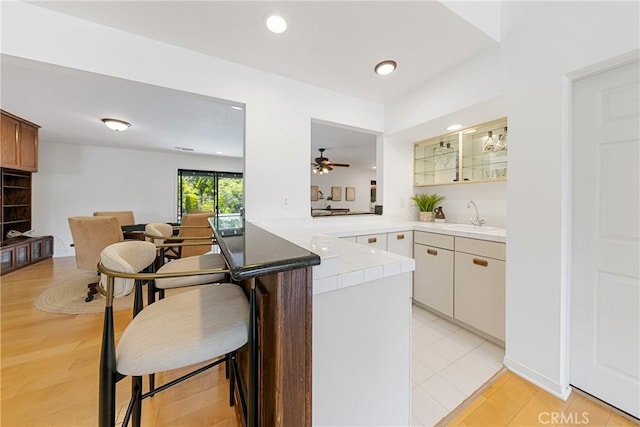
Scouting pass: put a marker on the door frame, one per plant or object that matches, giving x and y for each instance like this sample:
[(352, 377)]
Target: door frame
[(566, 202)]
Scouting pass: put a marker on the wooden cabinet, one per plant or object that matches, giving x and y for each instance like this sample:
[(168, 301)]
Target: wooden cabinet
[(15, 201), (478, 153), (433, 277), (19, 143), (23, 251), (480, 285)]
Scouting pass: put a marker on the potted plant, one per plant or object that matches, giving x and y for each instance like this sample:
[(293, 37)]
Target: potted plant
[(426, 203)]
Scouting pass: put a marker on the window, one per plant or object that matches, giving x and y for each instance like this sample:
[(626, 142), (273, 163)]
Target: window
[(210, 191)]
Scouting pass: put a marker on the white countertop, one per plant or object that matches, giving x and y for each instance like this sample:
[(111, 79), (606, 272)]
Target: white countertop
[(344, 263)]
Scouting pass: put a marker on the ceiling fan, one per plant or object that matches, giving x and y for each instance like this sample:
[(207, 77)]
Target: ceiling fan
[(322, 165)]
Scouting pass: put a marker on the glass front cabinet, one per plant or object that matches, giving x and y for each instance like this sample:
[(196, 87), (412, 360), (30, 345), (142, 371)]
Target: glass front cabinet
[(477, 153)]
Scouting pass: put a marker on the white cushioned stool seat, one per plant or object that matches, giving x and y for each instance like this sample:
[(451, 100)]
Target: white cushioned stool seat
[(127, 257), (192, 263), (184, 329)]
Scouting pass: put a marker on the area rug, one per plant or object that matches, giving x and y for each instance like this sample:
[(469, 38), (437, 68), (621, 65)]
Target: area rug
[(67, 297)]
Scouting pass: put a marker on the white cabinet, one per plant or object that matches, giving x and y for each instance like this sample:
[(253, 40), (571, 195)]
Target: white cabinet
[(378, 241), (480, 285), (400, 243), (433, 277)]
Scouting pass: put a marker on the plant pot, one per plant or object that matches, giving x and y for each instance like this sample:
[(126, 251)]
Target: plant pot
[(426, 216)]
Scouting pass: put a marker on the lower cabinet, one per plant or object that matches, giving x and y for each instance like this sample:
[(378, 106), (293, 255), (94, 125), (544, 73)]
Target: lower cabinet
[(480, 285), (378, 241), (462, 278), (397, 242), (23, 251), (400, 243), (433, 276)]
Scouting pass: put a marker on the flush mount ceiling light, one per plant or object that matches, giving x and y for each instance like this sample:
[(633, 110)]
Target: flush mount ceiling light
[(385, 67), (454, 127), (117, 125), (235, 107), (276, 24)]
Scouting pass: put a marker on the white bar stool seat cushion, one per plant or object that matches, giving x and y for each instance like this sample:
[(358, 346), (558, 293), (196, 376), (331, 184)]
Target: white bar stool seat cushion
[(192, 263), (184, 329)]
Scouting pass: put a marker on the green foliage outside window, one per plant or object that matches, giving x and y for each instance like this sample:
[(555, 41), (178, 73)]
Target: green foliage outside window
[(198, 193)]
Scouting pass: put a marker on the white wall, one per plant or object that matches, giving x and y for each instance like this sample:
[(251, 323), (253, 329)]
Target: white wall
[(278, 110), (77, 180), (472, 94), (546, 41), (345, 177)]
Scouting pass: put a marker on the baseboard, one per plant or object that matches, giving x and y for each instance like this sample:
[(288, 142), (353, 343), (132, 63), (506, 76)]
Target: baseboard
[(545, 383)]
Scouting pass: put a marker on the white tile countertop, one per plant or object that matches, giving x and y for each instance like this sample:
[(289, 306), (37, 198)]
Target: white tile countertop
[(344, 263)]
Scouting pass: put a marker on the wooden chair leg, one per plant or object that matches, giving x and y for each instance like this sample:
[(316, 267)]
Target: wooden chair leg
[(92, 290)]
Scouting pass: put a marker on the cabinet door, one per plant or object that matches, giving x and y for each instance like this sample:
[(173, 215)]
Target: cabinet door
[(433, 278), (28, 146), (10, 132), (378, 241), (480, 293), (400, 243)]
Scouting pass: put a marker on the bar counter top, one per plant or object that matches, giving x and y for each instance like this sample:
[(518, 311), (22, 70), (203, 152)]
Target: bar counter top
[(254, 252)]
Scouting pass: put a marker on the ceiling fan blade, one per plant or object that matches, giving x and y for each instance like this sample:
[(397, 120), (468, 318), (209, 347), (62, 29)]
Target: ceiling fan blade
[(345, 165)]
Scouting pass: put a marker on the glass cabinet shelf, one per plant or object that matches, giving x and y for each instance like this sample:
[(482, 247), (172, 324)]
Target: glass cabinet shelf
[(478, 153)]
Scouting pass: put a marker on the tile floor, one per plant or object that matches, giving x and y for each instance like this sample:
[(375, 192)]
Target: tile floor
[(449, 363)]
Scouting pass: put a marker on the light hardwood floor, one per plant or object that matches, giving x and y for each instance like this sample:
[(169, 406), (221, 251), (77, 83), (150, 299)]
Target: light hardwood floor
[(49, 374)]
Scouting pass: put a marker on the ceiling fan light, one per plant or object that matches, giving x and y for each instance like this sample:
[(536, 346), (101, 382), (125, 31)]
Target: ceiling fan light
[(116, 124), (315, 170), (325, 170)]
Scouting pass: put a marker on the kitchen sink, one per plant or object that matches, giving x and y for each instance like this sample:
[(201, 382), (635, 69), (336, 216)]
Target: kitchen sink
[(470, 227)]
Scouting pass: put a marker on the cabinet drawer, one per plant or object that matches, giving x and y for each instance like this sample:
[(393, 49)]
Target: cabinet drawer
[(378, 241), (494, 250), (400, 243), (433, 239)]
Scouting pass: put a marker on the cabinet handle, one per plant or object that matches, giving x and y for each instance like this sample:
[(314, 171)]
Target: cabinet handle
[(400, 236), (372, 239), (480, 262), (432, 252)]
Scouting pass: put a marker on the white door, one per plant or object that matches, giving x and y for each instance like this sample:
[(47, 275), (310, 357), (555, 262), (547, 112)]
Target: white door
[(605, 278)]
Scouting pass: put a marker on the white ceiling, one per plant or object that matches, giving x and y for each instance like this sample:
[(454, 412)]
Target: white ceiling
[(330, 44), (68, 105)]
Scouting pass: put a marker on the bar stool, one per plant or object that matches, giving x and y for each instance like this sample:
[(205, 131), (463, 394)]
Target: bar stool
[(208, 323)]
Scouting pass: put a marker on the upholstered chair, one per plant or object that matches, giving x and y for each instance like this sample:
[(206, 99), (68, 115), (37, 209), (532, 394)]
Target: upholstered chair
[(209, 323), (195, 225), (124, 217), (91, 234)]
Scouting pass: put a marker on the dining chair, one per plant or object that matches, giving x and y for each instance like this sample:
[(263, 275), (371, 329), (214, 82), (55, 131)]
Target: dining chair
[(208, 324), (124, 217), (90, 235), (192, 226)]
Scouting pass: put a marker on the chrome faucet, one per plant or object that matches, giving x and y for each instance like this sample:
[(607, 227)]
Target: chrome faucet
[(477, 221)]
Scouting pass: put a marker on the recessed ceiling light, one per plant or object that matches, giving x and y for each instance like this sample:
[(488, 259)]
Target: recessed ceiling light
[(374, 167), (219, 152), (235, 107), (276, 24), (117, 125), (385, 67), (454, 127)]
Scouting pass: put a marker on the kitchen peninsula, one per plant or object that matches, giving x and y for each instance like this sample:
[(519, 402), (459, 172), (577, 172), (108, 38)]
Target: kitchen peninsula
[(361, 321)]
